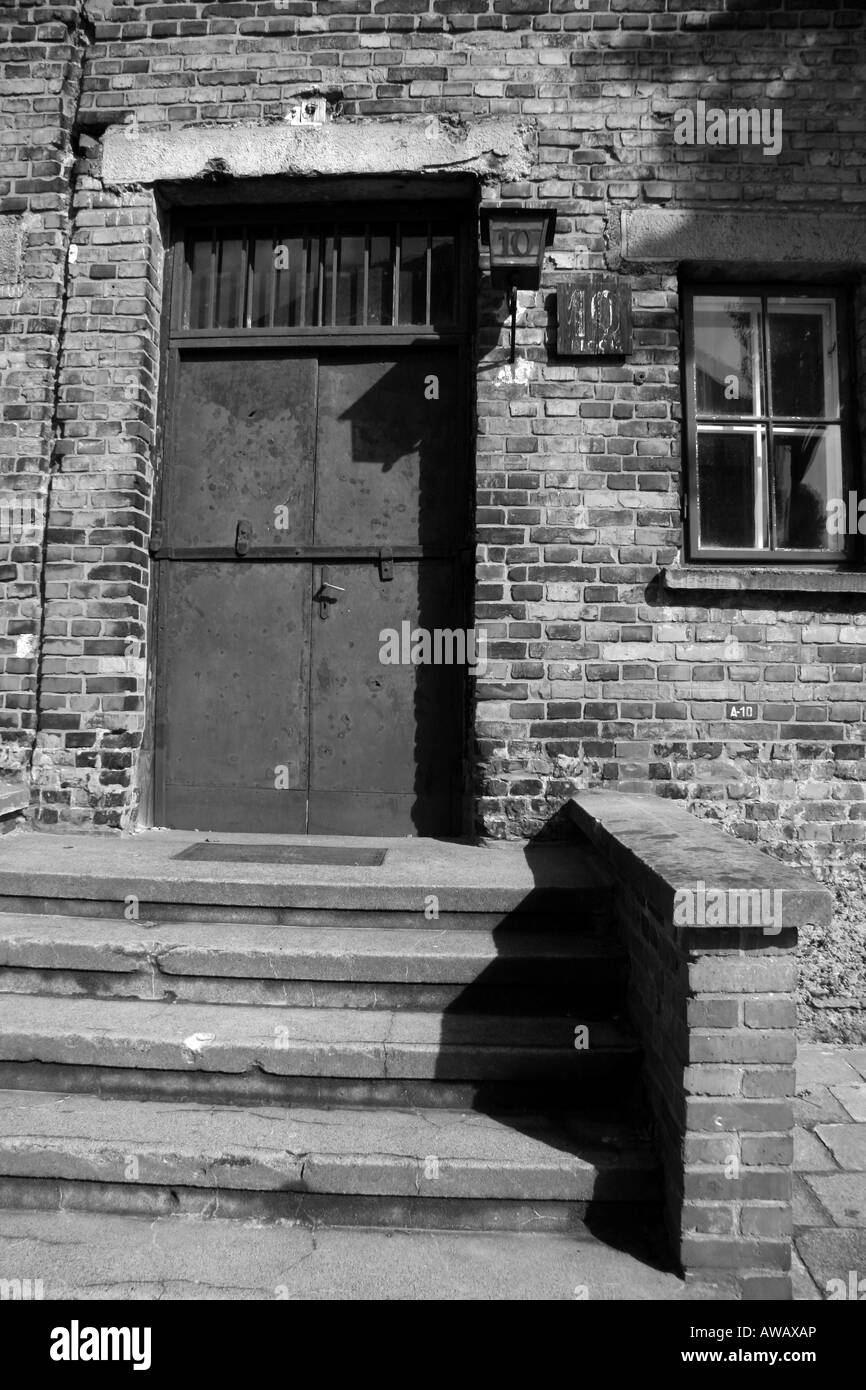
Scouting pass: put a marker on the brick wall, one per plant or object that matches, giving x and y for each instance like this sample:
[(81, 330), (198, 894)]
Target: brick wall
[(600, 674), (715, 1010), (41, 52)]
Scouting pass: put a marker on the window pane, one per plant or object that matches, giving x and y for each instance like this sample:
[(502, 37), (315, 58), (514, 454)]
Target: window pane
[(442, 280), (350, 280), (229, 304), (262, 252), (803, 358), (807, 476), (727, 361), (289, 262), (380, 297), (200, 280), (413, 275), (730, 489)]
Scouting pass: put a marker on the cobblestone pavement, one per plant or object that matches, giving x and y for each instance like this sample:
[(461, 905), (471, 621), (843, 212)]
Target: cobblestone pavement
[(830, 1173)]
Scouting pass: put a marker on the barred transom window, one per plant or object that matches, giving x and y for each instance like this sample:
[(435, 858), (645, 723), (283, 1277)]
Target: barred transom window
[(339, 274), (766, 388)]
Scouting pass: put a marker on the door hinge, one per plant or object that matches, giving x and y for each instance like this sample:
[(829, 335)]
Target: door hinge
[(243, 536), (684, 507), (157, 537), (386, 563)]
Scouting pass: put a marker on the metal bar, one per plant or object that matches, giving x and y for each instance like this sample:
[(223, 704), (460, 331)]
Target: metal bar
[(213, 279), (244, 296), (429, 266), (320, 289), (272, 293), (309, 552), (768, 479), (397, 262), (307, 337), (366, 275), (335, 271)]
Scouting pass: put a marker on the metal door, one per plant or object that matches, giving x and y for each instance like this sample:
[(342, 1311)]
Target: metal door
[(311, 506), (386, 737), (232, 716)]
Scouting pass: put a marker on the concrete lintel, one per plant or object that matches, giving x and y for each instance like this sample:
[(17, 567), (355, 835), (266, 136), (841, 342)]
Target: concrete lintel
[(758, 237), (488, 147)]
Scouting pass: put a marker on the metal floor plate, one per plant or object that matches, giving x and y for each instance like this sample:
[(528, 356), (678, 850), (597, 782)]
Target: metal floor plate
[(229, 853)]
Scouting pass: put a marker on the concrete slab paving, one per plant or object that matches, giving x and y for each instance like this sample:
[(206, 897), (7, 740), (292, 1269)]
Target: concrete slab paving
[(83, 1256), (854, 1100), (824, 1066), (830, 1181), (847, 1144), (843, 1195), (809, 1153), (834, 1255), (802, 1284), (807, 1209), (819, 1106)]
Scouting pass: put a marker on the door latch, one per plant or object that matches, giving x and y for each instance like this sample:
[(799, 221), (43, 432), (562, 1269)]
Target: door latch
[(324, 598), (386, 564), (243, 536)]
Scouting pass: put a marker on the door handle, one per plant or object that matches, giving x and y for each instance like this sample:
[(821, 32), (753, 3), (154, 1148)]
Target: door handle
[(323, 598), (243, 536)]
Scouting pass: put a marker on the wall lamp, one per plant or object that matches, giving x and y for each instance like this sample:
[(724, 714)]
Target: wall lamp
[(517, 237)]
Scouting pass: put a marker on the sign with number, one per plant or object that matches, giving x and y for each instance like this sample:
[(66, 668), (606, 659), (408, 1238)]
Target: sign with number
[(516, 243), (594, 316), (743, 711)]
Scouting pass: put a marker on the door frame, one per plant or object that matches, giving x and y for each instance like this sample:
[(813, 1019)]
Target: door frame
[(459, 208)]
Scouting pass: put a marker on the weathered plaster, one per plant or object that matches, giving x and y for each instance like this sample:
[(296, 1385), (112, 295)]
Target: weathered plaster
[(654, 235), (11, 246), (490, 148)]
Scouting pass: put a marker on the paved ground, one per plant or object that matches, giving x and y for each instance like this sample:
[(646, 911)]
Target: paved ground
[(830, 1176), (79, 1255)]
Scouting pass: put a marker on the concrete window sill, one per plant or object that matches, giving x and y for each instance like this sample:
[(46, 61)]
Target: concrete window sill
[(770, 579)]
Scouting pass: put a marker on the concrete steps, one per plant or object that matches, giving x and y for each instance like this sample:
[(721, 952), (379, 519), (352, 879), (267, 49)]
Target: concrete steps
[(317, 1045), (345, 1162), (219, 1041), (480, 968)]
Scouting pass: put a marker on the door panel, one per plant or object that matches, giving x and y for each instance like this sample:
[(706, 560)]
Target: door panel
[(233, 642), (255, 689), (244, 444), (385, 739), (389, 461)]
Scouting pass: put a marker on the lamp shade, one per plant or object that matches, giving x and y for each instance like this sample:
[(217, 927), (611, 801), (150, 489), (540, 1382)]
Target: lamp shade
[(517, 237)]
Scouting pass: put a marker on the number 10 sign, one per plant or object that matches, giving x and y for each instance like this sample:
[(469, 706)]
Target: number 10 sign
[(593, 316)]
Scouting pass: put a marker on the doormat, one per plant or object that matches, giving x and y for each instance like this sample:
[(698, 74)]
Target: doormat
[(228, 853)]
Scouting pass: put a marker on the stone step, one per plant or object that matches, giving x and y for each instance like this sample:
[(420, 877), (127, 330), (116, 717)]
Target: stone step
[(423, 967), (614, 1076), (100, 875), (335, 1043), (330, 1165), (589, 914), (129, 1258)]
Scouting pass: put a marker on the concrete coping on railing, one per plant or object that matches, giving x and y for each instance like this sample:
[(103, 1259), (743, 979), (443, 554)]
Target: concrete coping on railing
[(665, 853)]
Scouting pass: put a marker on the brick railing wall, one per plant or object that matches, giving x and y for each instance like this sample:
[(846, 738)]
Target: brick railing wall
[(714, 1007)]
